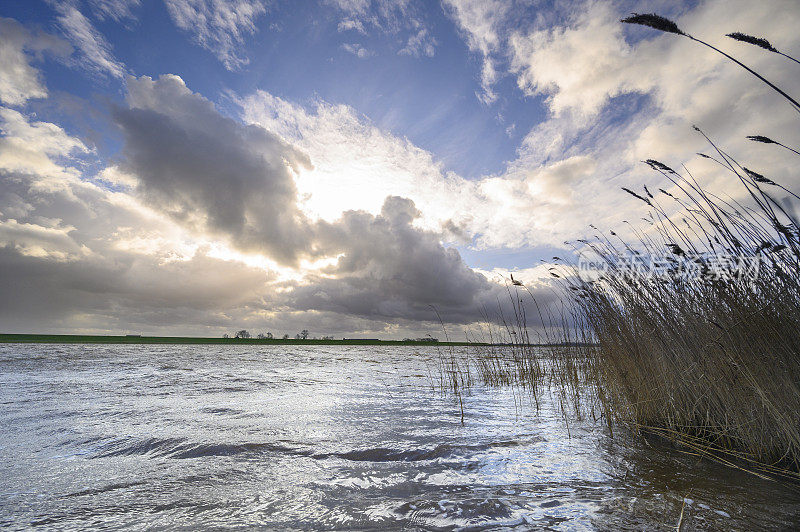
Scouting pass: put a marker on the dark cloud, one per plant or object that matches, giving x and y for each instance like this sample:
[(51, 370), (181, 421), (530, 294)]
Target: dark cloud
[(211, 172), (392, 269), (74, 256), (457, 231), (124, 291)]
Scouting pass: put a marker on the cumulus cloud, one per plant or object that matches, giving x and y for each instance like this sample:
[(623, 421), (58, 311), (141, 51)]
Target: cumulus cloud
[(95, 51), (211, 173), (556, 182), (189, 178), (136, 246), (617, 95), (35, 240), (390, 269), (19, 80), (580, 65), (349, 152), (77, 256), (219, 26), (43, 137), (235, 181), (32, 151), (524, 206), (621, 99), (586, 62), (122, 291)]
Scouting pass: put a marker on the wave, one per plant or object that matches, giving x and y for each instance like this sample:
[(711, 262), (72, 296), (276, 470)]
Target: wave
[(223, 449), (380, 454), (182, 449), (104, 489), (128, 447)]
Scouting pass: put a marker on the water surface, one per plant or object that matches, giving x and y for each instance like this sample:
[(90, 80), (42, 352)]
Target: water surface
[(327, 437)]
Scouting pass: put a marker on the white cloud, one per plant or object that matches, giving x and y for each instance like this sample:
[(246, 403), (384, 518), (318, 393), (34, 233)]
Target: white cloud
[(356, 165), (19, 81), (613, 104), (357, 50), (77, 256), (392, 17), (48, 138), (625, 100), (569, 168), (39, 241), (117, 10), (580, 66), (113, 175), (209, 172), (481, 22), (121, 257), (35, 149), (419, 43), (356, 7), (219, 26), (96, 53), (349, 24)]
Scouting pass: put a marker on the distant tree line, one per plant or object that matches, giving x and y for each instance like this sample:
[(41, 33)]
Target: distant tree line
[(245, 334)]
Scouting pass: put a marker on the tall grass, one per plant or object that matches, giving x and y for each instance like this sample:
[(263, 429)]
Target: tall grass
[(551, 357), (712, 358), (705, 351)]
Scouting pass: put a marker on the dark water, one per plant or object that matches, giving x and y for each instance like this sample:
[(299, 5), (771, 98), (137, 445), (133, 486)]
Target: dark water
[(326, 438)]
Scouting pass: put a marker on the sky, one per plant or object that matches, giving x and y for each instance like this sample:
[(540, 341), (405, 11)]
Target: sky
[(357, 168)]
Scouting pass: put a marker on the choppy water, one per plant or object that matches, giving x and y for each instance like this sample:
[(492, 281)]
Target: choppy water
[(326, 438)]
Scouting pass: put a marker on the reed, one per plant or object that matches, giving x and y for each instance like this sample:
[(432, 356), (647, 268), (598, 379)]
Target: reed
[(663, 24), (760, 42), (702, 352), (695, 346)]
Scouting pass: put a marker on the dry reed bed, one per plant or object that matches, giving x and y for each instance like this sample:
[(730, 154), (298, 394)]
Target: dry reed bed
[(709, 360)]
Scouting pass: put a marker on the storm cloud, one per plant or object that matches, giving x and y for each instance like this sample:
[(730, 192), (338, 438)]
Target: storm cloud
[(211, 173), (391, 269)]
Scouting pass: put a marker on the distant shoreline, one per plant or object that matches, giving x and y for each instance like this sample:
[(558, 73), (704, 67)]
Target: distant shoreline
[(135, 339), (109, 339)]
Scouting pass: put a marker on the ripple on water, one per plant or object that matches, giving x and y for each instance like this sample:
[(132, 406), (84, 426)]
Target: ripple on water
[(326, 437)]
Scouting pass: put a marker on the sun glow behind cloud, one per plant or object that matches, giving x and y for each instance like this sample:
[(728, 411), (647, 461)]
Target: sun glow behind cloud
[(211, 206)]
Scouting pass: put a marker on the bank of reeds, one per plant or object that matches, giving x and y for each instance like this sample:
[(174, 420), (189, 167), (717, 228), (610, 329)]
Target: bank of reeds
[(701, 343), (696, 323)]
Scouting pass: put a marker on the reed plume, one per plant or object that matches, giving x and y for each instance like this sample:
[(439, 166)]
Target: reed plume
[(706, 360), (757, 41), (760, 42), (767, 140), (654, 21), (660, 23)]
